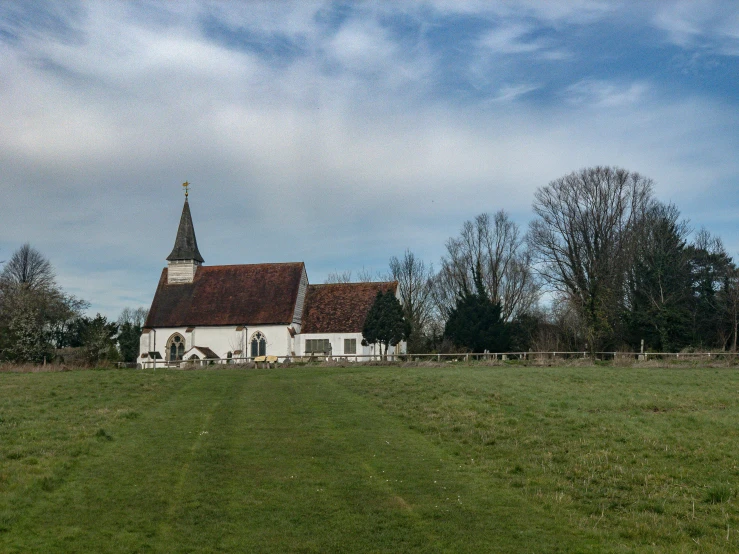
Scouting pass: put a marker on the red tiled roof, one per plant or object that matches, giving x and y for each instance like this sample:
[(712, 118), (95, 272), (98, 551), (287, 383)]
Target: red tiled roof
[(340, 308), (254, 294)]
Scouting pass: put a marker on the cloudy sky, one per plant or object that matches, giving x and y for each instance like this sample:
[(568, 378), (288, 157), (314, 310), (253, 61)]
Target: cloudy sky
[(343, 133)]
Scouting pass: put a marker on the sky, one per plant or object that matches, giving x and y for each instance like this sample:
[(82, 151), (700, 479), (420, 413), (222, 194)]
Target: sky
[(343, 133)]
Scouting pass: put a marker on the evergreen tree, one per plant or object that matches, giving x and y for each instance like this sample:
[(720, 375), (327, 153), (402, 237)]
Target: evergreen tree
[(130, 323), (128, 341), (710, 268), (475, 323), (99, 340), (659, 284), (385, 323)]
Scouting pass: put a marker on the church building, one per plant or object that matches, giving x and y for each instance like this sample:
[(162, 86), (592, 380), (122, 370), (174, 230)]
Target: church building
[(248, 311)]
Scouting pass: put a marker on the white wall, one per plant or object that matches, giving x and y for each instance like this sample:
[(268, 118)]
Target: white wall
[(337, 345), (220, 339), (225, 339)]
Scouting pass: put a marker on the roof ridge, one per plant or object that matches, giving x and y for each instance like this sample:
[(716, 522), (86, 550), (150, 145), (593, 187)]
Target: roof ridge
[(355, 283), (243, 265)]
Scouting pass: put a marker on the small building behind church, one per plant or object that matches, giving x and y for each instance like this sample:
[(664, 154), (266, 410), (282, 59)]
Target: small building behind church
[(243, 312)]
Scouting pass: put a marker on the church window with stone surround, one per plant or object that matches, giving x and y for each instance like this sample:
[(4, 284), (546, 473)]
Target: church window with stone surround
[(176, 347), (258, 345)]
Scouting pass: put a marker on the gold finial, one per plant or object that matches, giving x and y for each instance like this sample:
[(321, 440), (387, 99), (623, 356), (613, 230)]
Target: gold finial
[(186, 185)]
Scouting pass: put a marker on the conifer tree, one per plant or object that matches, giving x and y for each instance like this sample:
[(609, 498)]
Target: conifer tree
[(385, 323), (475, 323), (659, 284)]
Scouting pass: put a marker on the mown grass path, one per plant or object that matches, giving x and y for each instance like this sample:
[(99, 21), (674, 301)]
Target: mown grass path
[(367, 459), (287, 461)]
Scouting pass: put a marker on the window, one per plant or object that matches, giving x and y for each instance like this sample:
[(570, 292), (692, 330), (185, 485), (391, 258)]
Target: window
[(317, 346), (258, 345), (175, 347), (350, 346)]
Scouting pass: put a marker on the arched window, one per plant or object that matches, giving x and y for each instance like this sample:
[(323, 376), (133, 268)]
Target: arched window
[(175, 347), (258, 345)]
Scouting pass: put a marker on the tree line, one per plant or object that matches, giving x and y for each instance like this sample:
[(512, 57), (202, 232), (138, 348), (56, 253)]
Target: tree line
[(40, 322), (603, 266)]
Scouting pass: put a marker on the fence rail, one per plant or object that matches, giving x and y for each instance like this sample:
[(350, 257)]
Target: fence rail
[(270, 361)]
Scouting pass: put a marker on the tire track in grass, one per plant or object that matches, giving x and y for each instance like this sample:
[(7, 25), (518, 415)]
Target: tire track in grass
[(318, 468), (126, 496), (293, 461), (165, 527)]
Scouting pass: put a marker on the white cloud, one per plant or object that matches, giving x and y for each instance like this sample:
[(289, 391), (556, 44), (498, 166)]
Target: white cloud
[(712, 26), (342, 157), (606, 94), (510, 39), (508, 93), (551, 12)]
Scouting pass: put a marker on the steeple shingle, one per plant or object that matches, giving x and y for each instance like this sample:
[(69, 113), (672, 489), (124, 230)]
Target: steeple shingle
[(185, 245)]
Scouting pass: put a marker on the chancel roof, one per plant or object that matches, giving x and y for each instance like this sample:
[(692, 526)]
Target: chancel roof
[(341, 307), (253, 294), (185, 245)]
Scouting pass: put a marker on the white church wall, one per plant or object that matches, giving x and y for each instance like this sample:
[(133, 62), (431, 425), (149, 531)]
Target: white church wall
[(220, 339), (144, 342), (337, 345), (278, 339)]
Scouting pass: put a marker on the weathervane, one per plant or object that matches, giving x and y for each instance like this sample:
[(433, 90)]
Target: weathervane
[(186, 185)]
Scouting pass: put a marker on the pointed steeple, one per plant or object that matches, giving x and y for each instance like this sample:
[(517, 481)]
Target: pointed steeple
[(185, 245)]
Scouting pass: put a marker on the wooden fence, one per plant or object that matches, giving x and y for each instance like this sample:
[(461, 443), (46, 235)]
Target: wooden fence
[(271, 361)]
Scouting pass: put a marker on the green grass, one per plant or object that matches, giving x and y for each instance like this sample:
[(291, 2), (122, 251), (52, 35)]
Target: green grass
[(458, 459)]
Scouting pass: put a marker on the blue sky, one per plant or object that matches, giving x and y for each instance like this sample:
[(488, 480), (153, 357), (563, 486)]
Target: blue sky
[(341, 134)]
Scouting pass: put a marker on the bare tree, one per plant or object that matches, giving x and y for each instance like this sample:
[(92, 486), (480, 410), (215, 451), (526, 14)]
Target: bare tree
[(336, 277), (133, 316), (582, 239), (34, 310), (364, 275), (414, 287), (496, 247), (28, 267), (444, 292)]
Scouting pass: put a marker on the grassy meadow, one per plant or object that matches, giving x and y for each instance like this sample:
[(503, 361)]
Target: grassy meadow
[(371, 459)]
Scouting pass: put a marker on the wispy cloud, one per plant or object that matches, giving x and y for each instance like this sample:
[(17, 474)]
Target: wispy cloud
[(338, 134), (606, 94), (710, 26), (507, 93)]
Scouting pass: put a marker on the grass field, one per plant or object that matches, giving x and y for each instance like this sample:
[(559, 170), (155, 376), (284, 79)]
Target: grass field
[(457, 459)]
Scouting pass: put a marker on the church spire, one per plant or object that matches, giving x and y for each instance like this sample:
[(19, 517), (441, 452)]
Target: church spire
[(185, 245), (185, 258)]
